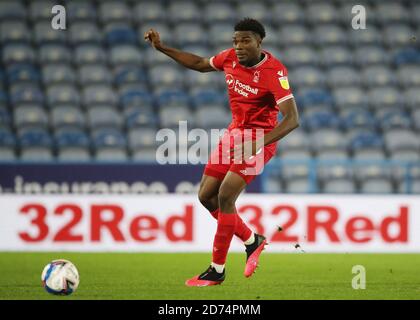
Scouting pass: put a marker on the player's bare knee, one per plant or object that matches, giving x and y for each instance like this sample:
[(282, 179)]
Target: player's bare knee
[(226, 198)]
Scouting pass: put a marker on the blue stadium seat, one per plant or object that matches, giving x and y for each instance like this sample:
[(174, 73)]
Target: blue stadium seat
[(295, 34), (14, 31), (393, 119), (383, 97), (258, 10), (84, 32), (388, 13), (311, 98), (170, 117), (189, 34), (182, 11), (149, 12), (336, 55), (71, 137), (369, 154), (35, 145), (7, 145), (412, 98), (136, 98), (99, 95), (209, 117), (366, 140), (341, 76), (5, 118), (300, 55), (358, 118), (327, 139), (80, 11), (287, 13), (376, 186), (330, 172), (376, 76), (130, 74), (296, 140), (54, 53), (58, 73), (323, 120), (140, 118), (67, 116), (349, 97), (12, 9), (318, 13), (329, 34), (340, 186), (370, 55), (41, 10), (119, 34), (401, 139), (206, 97), (94, 74), (18, 73), (30, 116), (219, 12), (407, 56), (397, 35), (26, 93), (102, 116), (168, 98), (169, 76), (109, 145), (89, 54), (114, 11), (371, 36), (198, 80), (72, 145), (297, 186), (220, 34), (62, 94), (307, 77), (409, 76), (43, 33), (125, 55), (18, 53), (416, 119)]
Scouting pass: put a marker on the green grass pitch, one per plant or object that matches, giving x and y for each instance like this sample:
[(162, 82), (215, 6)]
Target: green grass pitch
[(161, 276)]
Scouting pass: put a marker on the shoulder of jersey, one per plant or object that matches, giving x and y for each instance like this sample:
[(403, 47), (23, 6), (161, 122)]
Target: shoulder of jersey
[(274, 63)]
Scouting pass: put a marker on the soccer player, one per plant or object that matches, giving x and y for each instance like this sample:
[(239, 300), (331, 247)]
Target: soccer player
[(258, 88)]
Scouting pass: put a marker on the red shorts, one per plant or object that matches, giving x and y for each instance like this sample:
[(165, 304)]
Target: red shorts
[(220, 162)]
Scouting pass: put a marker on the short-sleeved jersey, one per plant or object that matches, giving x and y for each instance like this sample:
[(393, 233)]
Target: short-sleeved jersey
[(254, 92)]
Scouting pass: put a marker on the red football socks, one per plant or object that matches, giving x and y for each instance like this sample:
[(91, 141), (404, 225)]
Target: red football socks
[(241, 230), (226, 224)]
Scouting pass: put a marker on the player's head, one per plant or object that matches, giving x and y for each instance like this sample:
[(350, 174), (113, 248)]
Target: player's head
[(247, 40)]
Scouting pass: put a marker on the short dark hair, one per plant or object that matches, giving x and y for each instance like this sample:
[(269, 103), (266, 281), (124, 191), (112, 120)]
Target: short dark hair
[(249, 24)]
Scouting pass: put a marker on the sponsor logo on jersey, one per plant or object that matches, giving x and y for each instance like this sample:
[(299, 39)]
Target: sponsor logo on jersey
[(284, 82)]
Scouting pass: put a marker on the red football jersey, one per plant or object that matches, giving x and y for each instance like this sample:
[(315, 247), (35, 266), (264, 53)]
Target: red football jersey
[(254, 92)]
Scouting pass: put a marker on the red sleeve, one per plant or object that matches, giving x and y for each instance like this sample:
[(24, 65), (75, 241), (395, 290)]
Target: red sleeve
[(219, 59), (280, 87)]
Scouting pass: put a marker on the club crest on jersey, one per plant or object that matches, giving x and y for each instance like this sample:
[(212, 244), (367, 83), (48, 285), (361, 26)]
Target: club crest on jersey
[(230, 81), (256, 76)]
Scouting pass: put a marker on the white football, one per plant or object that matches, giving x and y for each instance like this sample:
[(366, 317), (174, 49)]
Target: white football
[(60, 277)]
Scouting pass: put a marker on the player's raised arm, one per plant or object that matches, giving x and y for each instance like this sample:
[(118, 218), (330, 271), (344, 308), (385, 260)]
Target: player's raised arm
[(289, 122), (187, 59)]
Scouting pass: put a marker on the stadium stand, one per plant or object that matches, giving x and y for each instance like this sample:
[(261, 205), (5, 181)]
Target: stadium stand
[(96, 91)]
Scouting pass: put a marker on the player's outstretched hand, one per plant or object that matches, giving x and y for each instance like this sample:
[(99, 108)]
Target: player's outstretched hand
[(153, 37)]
